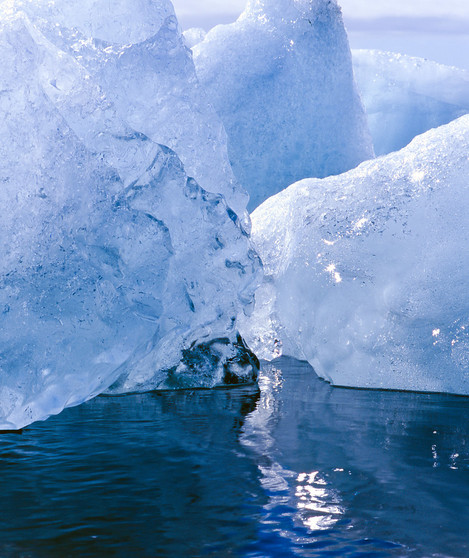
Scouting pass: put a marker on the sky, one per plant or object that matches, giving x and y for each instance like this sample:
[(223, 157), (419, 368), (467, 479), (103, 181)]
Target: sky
[(434, 29)]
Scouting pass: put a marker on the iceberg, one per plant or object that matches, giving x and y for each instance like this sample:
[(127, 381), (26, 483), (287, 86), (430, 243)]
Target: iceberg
[(136, 52), (406, 96), (281, 79), (118, 271), (366, 272)]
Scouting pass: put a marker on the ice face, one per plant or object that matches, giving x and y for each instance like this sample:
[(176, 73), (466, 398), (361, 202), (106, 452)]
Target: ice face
[(194, 36), (117, 271), (406, 96), (137, 54), (367, 271), (281, 80)]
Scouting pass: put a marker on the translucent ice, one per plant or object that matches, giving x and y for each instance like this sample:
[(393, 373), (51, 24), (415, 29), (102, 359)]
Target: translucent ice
[(194, 36), (117, 271), (367, 271), (281, 79), (406, 96), (136, 52)]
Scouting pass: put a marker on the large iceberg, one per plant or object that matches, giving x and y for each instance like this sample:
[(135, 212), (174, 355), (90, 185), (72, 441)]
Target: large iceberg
[(367, 272), (406, 96), (281, 79), (118, 272), (135, 50)]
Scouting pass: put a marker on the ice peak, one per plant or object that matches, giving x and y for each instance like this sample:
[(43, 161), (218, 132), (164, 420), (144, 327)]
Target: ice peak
[(288, 10), (118, 22), (284, 71)]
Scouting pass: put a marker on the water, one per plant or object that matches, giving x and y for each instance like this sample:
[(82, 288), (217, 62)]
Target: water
[(295, 469)]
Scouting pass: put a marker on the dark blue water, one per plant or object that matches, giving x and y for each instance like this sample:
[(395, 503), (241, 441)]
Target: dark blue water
[(295, 469)]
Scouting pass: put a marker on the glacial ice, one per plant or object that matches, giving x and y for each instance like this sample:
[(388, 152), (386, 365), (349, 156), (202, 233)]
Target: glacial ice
[(135, 50), (281, 79), (194, 36), (117, 271), (406, 96), (366, 273)]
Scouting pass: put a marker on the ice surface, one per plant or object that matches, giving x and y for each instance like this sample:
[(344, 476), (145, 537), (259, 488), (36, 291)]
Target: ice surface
[(136, 52), (194, 36), (281, 79), (116, 269), (406, 96), (118, 22), (367, 271)]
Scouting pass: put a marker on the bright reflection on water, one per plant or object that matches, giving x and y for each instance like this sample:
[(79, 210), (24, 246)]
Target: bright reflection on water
[(297, 469), (316, 497)]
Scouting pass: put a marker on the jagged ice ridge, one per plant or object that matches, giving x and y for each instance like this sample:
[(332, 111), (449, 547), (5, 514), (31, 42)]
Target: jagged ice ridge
[(118, 272)]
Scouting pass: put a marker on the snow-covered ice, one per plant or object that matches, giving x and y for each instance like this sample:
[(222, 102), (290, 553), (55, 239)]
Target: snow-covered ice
[(281, 79), (117, 271), (406, 96), (367, 272)]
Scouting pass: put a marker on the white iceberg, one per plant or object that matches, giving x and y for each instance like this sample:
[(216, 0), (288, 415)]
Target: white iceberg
[(117, 271), (281, 79), (367, 272), (406, 96)]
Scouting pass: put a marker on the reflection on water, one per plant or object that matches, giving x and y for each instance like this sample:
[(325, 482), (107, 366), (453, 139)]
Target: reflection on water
[(320, 504), (365, 472), (297, 469)]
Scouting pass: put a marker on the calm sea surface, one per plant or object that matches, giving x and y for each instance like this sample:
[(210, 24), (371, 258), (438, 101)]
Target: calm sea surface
[(296, 468)]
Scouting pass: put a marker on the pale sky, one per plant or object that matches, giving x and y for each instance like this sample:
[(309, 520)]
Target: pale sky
[(363, 9), (434, 29)]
